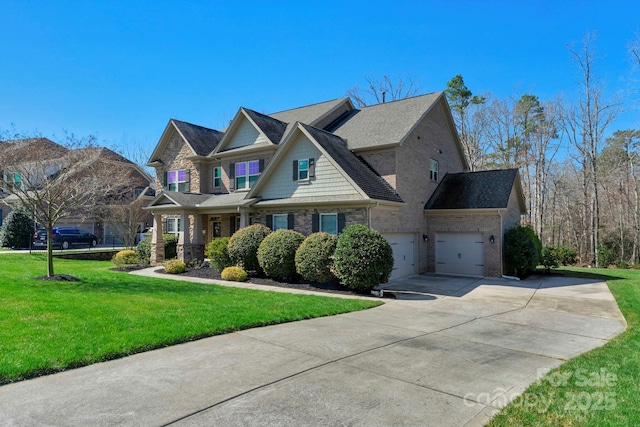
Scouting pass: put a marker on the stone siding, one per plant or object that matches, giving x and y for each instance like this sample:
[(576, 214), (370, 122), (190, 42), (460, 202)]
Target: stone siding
[(303, 217), (174, 157)]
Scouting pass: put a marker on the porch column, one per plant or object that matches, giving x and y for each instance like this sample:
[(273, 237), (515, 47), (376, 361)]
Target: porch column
[(244, 219), (157, 240), (184, 238)]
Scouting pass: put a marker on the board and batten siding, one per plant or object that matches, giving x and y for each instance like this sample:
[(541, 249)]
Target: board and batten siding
[(328, 180), (246, 134)]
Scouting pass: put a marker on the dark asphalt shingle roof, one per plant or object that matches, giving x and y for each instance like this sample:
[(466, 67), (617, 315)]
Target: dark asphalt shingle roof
[(382, 124), (370, 182), (474, 190), (272, 128), (308, 114), (203, 140)]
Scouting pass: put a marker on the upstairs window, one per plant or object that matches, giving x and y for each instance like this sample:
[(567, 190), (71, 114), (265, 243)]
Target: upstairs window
[(13, 180), (217, 177), (433, 170), (178, 180), (303, 169), (247, 173)]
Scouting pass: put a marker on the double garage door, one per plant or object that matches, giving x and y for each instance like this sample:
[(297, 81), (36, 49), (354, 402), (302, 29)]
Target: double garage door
[(403, 246), (460, 253)]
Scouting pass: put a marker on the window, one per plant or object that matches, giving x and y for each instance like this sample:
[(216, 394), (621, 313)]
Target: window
[(13, 180), (303, 169), (247, 174), (279, 221), (217, 177), (178, 180), (329, 223), (433, 170), (173, 225)]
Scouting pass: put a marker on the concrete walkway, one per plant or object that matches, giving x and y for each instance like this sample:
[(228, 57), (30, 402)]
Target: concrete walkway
[(447, 352)]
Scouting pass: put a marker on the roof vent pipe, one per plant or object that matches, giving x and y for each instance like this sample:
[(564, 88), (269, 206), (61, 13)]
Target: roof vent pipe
[(384, 93)]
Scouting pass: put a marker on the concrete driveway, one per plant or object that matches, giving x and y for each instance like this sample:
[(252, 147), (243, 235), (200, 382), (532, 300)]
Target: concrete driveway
[(447, 352)]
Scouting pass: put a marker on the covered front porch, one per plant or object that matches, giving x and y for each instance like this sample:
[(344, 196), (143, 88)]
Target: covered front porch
[(196, 219)]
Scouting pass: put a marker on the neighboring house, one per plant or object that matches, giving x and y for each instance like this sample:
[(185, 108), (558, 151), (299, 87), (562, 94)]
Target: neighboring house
[(100, 222), (325, 166)]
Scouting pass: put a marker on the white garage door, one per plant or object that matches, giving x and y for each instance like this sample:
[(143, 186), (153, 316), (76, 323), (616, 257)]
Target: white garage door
[(460, 253), (403, 245)]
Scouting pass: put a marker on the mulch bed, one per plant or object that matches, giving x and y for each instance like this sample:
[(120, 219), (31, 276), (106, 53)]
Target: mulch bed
[(60, 277), (212, 273)]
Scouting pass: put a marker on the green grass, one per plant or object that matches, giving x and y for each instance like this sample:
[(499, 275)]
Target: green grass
[(49, 326), (598, 388)]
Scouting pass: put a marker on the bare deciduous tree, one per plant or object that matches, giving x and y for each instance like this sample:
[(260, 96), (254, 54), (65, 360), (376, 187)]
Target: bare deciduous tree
[(386, 88), (55, 181)]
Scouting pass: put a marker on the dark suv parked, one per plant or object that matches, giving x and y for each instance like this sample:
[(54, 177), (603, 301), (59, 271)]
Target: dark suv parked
[(64, 237)]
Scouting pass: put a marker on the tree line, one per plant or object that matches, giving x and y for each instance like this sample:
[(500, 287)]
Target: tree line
[(580, 177)]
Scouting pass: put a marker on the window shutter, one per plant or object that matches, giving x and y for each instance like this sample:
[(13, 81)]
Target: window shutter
[(260, 165), (270, 221), (341, 222), (187, 180), (312, 168), (290, 221), (315, 222), (164, 179), (232, 224), (295, 170), (232, 176)]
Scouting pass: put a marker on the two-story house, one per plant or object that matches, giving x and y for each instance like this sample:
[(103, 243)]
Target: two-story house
[(393, 167)]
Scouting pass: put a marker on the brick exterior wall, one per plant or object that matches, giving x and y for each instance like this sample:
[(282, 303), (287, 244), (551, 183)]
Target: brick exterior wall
[(430, 139)]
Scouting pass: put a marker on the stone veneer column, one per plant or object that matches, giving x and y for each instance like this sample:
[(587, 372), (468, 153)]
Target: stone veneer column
[(157, 250)]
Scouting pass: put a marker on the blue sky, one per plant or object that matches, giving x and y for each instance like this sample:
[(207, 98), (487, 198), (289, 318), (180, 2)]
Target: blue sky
[(120, 69)]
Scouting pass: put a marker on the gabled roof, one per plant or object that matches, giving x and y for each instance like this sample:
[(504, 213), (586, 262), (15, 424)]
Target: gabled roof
[(335, 148), (311, 114), (200, 139), (177, 199), (271, 127), (18, 148), (384, 124), (371, 183), (476, 190)]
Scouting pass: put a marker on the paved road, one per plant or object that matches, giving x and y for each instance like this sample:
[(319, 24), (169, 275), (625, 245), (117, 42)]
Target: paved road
[(448, 353)]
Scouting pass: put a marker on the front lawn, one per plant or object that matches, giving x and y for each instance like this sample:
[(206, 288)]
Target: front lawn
[(598, 388), (49, 326)]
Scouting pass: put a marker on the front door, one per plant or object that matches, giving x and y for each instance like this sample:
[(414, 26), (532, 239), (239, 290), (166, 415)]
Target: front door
[(216, 229)]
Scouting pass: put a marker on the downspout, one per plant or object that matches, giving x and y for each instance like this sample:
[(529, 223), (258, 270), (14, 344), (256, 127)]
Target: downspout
[(501, 245)]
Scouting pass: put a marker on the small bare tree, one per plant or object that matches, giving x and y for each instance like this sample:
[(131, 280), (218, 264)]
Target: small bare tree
[(53, 181), (380, 90)]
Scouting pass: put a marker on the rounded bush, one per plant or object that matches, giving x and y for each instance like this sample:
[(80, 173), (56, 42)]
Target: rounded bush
[(314, 257), (549, 257), (363, 258), (143, 249), (17, 229), (520, 251), (277, 253), (126, 257), (234, 274), (175, 266), (218, 253), (566, 255), (243, 246)]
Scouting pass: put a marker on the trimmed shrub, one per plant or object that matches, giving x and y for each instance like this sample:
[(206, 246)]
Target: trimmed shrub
[(623, 265), (126, 257), (520, 252), (277, 253), (606, 257), (363, 258), (549, 258), (314, 257), (234, 274), (243, 246), (170, 246), (218, 253), (195, 263), (143, 249), (175, 266), (534, 238), (566, 255), (17, 229)]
